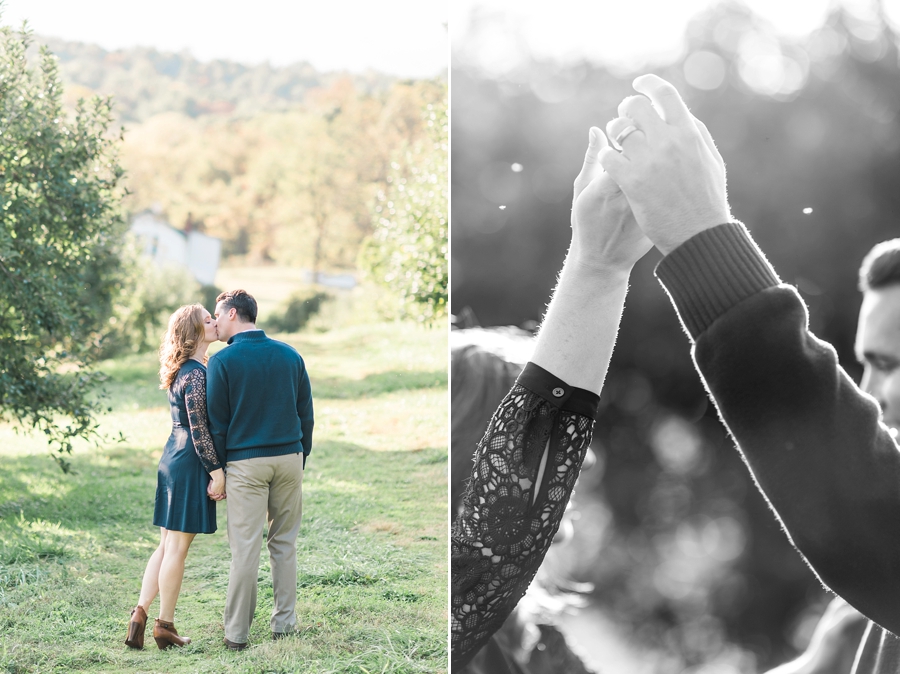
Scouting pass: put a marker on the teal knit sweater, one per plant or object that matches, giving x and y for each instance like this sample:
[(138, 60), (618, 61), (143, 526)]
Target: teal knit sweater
[(259, 399)]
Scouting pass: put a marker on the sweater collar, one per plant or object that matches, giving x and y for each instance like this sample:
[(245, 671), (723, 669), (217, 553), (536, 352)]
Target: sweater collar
[(248, 336)]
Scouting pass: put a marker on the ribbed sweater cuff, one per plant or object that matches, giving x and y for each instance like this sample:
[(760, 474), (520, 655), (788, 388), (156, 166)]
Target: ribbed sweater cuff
[(712, 272)]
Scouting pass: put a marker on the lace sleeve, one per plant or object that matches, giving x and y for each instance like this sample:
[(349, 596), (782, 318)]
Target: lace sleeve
[(504, 530), (195, 399)]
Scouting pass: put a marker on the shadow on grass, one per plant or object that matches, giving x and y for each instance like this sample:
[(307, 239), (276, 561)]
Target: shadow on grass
[(376, 384), (398, 496), (46, 514), (371, 591)]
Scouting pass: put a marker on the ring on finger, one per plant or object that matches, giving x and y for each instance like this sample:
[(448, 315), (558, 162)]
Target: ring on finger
[(624, 133)]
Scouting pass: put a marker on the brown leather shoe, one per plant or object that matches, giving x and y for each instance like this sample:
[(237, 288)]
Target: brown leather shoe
[(166, 635), (234, 646), (136, 628)]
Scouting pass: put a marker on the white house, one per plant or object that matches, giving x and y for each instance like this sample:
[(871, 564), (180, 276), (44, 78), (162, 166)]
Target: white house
[(166, 245)]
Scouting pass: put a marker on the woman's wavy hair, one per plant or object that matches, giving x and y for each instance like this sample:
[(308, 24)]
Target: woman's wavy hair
[(180, 342)]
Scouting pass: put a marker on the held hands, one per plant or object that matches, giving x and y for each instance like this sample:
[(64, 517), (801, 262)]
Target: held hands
[(606, 237), (216, 488), (669, 167)]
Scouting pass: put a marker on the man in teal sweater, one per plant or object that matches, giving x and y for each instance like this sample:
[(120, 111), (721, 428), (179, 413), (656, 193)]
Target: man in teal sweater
[(261, 419), (818, 446)]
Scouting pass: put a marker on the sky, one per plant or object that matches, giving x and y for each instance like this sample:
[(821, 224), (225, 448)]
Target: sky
[(623, 33), (405, 38)]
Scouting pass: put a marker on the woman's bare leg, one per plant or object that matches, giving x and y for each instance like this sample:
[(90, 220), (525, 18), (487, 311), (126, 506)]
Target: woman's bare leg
[(150, 584), (171, 572)]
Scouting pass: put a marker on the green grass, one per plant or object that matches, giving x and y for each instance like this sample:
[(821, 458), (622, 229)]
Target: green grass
[(373, 546)]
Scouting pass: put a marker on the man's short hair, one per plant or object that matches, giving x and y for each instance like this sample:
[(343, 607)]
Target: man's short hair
[(881, 267), (242, 302)]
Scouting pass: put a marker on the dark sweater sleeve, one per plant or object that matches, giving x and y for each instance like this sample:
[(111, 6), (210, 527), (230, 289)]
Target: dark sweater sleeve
[(814, 442), (305, 411), (504, 529), (218, 406)]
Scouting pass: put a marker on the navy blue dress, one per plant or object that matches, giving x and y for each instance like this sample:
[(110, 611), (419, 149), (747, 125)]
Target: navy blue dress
[(182, 503)]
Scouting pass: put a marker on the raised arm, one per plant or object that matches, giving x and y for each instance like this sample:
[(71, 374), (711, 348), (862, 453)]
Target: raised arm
[(814, 442), (526, 465)]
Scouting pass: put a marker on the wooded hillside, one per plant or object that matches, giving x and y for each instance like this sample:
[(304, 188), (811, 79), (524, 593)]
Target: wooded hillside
[(284, 164)]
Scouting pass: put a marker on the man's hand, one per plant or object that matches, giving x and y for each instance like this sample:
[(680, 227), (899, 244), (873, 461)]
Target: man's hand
[(216, 487), (669, 167), (605, 235)]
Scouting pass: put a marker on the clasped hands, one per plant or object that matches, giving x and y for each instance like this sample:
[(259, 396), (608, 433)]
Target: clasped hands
[(665, 185), (216, 487)]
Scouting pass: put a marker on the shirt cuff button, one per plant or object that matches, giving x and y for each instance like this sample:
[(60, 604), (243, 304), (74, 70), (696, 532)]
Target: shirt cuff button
[(558, 392)]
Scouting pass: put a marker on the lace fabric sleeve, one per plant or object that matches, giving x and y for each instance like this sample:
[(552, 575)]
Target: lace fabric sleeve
[(515, 502), (195, 399)]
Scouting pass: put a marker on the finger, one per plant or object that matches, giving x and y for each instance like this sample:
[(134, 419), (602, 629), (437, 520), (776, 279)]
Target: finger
[(640, 109), (665, 98), (614, 163), (591, 168), (708, 140), (624, 130)]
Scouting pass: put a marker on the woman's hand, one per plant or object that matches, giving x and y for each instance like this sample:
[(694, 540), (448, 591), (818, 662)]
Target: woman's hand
[(605, 234), (216, 488)]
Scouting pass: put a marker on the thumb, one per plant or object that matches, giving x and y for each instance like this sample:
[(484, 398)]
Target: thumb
[(614, 163), (591, 168)]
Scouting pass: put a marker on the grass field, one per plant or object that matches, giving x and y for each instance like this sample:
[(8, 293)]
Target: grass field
[(372, 549)]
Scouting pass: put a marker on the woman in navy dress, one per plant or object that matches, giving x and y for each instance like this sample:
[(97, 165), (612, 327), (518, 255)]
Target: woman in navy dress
[(191, 477)]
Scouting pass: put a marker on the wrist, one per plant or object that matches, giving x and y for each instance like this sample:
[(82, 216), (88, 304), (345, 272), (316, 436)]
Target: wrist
[(673, 235), (596, 268)]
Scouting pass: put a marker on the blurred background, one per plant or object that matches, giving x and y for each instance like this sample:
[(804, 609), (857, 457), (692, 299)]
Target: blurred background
[(690, 570), (261, 147)]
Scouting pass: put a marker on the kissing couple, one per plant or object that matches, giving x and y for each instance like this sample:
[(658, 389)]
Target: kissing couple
[(247, 413)]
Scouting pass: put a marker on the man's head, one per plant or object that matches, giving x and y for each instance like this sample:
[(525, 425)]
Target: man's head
[(235, 312), (878, 333)]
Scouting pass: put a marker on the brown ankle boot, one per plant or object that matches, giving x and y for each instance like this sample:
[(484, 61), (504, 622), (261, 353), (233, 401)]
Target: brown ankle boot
[(166, 635), (136, 627)]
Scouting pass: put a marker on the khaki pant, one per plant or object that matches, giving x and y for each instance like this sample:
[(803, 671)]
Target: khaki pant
[(272, 484)]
